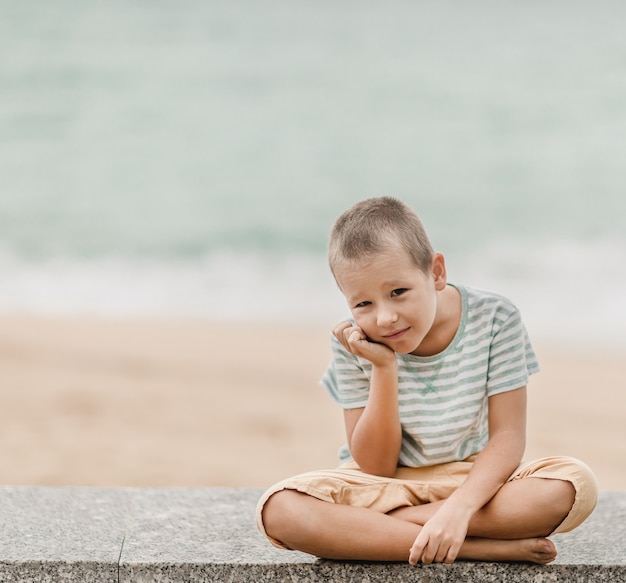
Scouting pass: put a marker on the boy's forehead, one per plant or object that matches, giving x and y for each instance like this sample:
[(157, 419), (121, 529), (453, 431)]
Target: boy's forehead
[(363, 260), (385, 267)]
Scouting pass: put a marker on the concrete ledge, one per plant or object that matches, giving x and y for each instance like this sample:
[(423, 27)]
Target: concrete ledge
[(179, 534)]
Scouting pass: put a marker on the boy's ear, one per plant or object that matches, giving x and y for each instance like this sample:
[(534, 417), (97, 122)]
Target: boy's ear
[(440, 275)]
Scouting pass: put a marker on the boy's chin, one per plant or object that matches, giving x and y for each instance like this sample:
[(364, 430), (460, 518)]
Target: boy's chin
[(404, 348), (409, 351), (399, 349)]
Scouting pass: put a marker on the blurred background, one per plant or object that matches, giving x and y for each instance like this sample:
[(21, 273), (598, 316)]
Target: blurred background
[(187, 159), (165, 157)]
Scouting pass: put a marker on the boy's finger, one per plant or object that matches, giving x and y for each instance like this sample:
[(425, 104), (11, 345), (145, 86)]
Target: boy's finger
[(453, 553), (414, 556), (415, 553), (355, 335), (342, 332), (442, 554), (430, 553), (339, 329)]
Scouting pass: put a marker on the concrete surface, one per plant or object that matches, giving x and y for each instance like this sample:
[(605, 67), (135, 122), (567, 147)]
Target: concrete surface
[(192, 535)]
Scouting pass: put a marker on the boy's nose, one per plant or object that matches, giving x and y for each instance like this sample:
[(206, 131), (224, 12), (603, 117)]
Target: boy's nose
[(386, 317)]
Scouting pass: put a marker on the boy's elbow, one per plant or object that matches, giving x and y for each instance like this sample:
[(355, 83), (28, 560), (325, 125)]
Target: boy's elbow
[(388, 473), (378, 461), (384, 470)]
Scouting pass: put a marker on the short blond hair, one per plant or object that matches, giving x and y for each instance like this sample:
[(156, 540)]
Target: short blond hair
[(376, 224)]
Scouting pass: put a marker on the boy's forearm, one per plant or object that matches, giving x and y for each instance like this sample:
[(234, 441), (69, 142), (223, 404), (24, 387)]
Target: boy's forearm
[(490, 471), (377, 437), (503, 453)]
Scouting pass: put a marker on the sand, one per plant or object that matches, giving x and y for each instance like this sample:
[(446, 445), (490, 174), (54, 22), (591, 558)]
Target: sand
[(102, 402)]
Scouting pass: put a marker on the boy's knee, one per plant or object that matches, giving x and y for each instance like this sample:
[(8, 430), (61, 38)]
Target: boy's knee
[(281, 512), (574, 490), (562, 498), (563, 475), (585, 486)]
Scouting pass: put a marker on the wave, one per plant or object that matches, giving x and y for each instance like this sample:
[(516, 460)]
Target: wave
[(223, 285), (567, 291)]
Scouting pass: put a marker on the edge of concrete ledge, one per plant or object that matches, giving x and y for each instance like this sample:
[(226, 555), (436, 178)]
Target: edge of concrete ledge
[(208, 534)]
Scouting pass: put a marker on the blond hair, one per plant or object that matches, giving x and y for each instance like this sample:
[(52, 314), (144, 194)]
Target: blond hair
[(374, 225)]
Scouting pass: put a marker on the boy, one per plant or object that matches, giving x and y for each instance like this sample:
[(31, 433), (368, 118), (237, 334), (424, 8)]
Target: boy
[(432, 380)]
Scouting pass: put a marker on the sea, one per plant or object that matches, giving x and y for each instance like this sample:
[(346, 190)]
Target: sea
[(187, 159)]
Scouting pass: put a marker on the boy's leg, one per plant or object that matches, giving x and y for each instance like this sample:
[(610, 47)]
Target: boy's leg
[(527, 508), (542, 497), (339, 531)]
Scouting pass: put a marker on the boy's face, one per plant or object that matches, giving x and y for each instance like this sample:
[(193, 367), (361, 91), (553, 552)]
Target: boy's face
[(392, 300)]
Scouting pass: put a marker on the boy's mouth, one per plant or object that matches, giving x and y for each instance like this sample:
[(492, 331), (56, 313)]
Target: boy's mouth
[(395, 334)]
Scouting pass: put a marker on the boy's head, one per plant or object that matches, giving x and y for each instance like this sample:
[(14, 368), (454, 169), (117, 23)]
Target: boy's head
[(376, 225)]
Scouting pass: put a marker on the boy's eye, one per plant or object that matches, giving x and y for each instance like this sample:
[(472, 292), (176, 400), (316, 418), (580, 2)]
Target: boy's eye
[(398, 292), (362, 304)]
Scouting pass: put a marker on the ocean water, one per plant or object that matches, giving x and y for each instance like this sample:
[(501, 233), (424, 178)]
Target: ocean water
[(188, 158)]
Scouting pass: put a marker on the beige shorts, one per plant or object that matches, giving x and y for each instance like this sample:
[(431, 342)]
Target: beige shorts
[(413, 486)]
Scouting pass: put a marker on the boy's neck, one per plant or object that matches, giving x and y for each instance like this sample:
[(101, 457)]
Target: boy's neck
[(447, 320)]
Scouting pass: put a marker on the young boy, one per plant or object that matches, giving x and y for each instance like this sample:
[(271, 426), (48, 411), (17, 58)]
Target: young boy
[(432, 380)]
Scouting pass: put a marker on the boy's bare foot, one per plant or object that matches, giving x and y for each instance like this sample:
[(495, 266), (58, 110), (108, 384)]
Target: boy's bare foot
[(540, 550), (532, 550)]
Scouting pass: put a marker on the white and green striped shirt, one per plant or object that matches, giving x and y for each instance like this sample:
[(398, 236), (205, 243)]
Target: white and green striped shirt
[(443, 398)]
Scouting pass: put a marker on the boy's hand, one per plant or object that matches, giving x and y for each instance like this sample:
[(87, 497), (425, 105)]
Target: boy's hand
[(441, 538), (355, 341)]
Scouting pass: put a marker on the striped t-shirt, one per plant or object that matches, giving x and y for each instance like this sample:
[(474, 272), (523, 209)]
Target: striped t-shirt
[(443, 398)]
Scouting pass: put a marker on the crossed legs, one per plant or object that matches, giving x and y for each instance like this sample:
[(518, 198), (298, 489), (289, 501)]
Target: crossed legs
[(511, 527)]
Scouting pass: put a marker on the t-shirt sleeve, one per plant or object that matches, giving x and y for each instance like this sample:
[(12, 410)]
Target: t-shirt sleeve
[(347, 378), (511, 359)]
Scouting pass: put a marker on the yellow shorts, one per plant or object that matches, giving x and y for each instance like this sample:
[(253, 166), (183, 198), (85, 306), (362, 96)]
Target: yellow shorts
[(413, 486)]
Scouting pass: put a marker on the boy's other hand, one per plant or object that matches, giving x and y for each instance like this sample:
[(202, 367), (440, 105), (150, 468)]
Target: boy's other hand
[(354, 340), (442, 536)]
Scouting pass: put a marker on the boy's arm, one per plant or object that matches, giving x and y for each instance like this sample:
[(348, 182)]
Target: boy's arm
[(442, 536), (374, 432)]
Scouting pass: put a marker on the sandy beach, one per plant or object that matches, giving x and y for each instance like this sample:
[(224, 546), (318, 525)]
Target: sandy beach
[(179, 403)]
